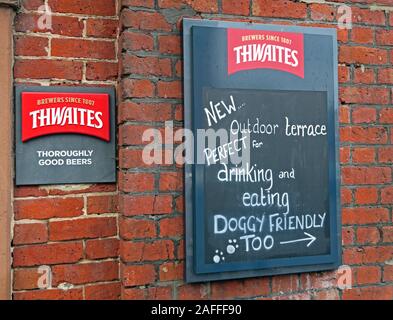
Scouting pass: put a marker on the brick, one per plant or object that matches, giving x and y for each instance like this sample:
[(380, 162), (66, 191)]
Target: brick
[(101, 71), (132, 134), (362, 35), (207, 6), (385, 154), (179, 204), (147, 65), (279, 9), (369, 293), (29, 233), (367, 254), (105, 291), (180, 250), (31, 46), (320, 280), (136, 182), (366, 195), (48, 208), (32, 4), (102, 28), (363, 155), (179, 73), (344, 114), (137, 275), (170, 271), (367, 235), (48, 69), (237, 7), (151, 293), (147, 251), (384, 37), (346, 196), (322, 12), (193, 292), (61, 25), (137, 229), (240, 288), (387, 234), (286, 283), (172, 227), (78, 48), (86, 7), (348, 236), (80, 188), (102, 204), (137, 41), (135, 88), (172, 89), (133, 111), (102, 249), (26, 279), (387, 195), (363, 135), (364, 215), (53, 294), (364, 115), (385, 75), (135, 205), (85, 273), (343, 74), (369, 95), (330, 294), (82, 228), (386, 115), (366, 16), (170, 44), (368, 275), (171, 181), (53, 253), (387, 273), (364, 55), (364, 75), (139, 3), (145, 20), (132, 158)]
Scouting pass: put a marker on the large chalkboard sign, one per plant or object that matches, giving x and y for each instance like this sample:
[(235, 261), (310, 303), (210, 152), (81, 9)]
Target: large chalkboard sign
[(265, 198)]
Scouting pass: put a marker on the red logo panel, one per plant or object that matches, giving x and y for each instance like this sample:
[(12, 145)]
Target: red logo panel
[(53, 113), (255, 49)]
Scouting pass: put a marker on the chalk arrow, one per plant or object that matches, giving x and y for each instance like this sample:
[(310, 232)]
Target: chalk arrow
[(310, 238)]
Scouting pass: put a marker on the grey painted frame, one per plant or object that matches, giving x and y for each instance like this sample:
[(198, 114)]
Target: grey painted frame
[(190, 275), (47, 180)]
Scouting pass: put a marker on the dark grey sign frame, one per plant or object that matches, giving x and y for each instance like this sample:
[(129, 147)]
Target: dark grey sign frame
[(103, 172), (303, 264)]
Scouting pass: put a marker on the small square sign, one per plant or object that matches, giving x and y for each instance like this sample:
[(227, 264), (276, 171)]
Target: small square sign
[(65, 135)]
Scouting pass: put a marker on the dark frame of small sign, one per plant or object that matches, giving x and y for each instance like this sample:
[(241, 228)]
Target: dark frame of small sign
[(193, 187)]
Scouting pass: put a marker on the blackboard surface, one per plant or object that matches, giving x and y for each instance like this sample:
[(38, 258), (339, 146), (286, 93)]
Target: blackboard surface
[(277, 211), (253, 210)]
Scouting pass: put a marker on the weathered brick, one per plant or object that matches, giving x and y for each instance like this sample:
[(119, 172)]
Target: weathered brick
[(138, 275), (102, 248), (53, 253), (82, 228), (87, 7), (48, 208), (29, 233), (85, 273)]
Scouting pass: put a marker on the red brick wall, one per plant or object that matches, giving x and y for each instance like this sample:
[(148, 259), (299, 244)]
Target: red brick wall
[(151, 197), (72, 229), (76, 229)]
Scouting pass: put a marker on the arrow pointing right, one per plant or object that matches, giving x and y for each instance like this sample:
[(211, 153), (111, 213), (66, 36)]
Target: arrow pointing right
[(310, 238)]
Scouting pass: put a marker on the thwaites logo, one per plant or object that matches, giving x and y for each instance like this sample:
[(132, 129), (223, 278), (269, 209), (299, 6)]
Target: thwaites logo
[(254, 49), (56, 113)]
